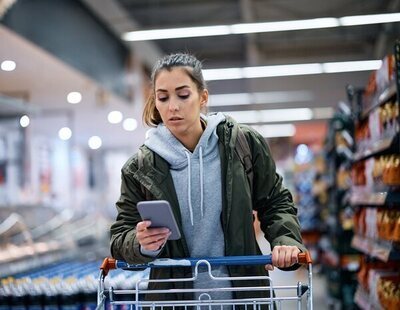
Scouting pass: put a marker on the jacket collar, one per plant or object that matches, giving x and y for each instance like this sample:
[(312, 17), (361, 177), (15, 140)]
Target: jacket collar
[(155, 175)]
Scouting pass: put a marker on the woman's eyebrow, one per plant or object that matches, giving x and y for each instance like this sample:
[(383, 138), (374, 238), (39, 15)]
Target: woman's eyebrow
[(181, 87), (177, 88)]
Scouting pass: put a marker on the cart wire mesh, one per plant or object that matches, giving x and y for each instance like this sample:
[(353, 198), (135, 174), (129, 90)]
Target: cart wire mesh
[(137, 298)]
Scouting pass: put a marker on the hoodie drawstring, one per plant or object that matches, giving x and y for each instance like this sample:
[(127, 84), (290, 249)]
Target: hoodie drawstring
[(190, 184), (189, 188), (201, 181)]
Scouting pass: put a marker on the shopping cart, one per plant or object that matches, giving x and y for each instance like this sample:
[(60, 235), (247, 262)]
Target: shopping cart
[(300, 294)]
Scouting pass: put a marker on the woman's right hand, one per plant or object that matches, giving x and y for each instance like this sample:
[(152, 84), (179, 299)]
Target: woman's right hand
[(151, 239)]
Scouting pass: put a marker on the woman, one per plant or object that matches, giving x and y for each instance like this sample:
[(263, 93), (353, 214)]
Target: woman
[(190, 160)]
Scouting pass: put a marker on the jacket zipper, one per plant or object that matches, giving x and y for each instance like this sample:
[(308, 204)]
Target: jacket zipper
[(228, 183)]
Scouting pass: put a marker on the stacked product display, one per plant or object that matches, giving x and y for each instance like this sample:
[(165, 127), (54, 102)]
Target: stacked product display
[(339, 260), (63, 285), (375, 191), (51, 260), (361, 248), (309, 205)]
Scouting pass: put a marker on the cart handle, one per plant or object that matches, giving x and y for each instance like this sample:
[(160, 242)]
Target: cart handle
[(110, 263), (107, 265)]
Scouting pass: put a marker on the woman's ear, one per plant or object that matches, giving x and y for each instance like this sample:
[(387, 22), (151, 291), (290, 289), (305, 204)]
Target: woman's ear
[(204, 98)]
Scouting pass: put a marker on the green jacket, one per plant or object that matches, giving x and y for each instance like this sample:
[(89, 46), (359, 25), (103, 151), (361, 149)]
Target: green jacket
[(273, 203)]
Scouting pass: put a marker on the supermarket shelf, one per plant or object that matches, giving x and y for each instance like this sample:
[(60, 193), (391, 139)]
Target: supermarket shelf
[(32, 263), (363, 300), (363, 196), (379, 147), (382, 249), (348, 262), (382, 98)]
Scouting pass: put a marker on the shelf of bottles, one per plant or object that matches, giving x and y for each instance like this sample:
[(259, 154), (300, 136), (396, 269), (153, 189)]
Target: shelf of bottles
[(375, 190), (68, 284)]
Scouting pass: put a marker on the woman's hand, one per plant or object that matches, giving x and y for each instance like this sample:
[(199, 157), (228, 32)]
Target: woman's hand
[(151, 239), (283, 256)]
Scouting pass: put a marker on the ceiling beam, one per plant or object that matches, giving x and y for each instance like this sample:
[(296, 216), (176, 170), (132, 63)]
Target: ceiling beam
[(381, 42), (252, 51), (119, 22)]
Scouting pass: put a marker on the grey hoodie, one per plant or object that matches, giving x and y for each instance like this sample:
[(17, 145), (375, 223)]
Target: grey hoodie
[(197, 180)]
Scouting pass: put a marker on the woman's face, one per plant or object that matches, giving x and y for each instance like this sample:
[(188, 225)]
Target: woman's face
[(179, 102)]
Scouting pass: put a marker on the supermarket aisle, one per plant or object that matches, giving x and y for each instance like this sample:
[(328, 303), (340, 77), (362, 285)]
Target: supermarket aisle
[(320, 298)]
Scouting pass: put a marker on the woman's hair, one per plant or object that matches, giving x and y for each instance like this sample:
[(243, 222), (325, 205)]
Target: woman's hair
[(189, 63)]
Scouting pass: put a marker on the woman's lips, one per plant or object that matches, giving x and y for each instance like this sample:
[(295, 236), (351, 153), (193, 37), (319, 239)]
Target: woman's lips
[(175, 119)]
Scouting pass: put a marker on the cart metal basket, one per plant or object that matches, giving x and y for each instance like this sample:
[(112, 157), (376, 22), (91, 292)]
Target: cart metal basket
[(300, 293)]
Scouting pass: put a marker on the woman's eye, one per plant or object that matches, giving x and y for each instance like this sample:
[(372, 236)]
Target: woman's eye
[(163, 99), (184, 96)]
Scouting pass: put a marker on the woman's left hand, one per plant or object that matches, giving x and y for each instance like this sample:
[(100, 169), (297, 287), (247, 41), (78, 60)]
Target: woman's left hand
[(283, 256)]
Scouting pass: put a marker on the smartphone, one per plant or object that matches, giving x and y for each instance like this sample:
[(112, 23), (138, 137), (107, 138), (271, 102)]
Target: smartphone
[(160, 214)]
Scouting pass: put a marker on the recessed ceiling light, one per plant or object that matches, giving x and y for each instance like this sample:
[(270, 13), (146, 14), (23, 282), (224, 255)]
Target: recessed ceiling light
[(8, 65), (95, 142), (65, 133), (115, 117), (74, 97), (130, 124), (24, 121)]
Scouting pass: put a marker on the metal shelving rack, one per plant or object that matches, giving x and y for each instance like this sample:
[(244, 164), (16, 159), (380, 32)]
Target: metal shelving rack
[(375, 249), (339, 259)]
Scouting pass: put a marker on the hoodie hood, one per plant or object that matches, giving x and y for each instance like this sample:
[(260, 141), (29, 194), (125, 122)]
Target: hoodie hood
[(164, 143)]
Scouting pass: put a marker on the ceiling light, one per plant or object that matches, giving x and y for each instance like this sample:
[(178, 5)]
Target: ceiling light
[(74, 97), (369, 19), (272, 115), (130, 124), (94, 142), (8, 65), (303, 154), (229, 99), (24, 121), (282, 70), (187, 32), (65, 133), (315, 23), (259, 98), (323, 113), (281, 115), (290, 70), (115, 117), (351, 66), (223, 74), (290, 25), (273, 131)]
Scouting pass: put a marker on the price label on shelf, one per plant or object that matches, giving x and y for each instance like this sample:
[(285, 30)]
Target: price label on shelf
[(378, 198)]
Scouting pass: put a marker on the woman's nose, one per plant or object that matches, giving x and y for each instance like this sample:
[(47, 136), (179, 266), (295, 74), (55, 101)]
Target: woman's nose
[(173, 105)]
